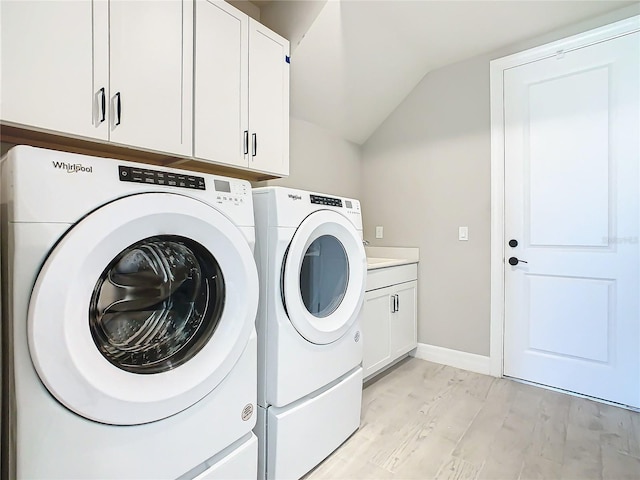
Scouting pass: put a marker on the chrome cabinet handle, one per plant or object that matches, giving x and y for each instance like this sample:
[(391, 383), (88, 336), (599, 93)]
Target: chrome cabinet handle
[(254, 138)]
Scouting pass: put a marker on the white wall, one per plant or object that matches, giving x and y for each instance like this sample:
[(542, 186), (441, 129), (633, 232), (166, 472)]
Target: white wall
[(321, 161), (4, 148), (425, 172)]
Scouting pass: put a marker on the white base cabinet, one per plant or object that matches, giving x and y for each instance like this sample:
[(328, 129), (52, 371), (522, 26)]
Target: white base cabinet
[(389, 317)]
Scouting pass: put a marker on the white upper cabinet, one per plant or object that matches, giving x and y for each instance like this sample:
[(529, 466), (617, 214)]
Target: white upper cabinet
[(220, 93), (128, 73), (47, 67), (241, 92), (118, 71), (268, 100), (151, 61)]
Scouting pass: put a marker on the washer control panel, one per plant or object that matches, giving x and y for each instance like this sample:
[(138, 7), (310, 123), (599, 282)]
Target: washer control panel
[(155, 177), (231, 191)]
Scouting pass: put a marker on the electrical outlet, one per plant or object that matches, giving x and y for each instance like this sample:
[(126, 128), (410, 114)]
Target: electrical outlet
[(379, 232), (463, 234)]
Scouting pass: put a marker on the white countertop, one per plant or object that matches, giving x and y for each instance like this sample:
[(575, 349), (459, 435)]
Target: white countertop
[(382, 257), (377, 262)]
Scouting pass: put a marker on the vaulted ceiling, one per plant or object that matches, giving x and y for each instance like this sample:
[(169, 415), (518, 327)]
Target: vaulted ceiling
[(354, 61)]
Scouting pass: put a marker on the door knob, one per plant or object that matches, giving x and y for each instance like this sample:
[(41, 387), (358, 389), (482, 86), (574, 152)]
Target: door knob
[(515, 261), (513, 243)]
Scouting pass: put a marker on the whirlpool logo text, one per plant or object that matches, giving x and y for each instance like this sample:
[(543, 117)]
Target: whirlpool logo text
[(295, 197), (72, 167)]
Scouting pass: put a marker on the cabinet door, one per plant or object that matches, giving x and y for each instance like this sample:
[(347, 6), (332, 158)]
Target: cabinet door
[(374, 321), (268, 100), (402, 331), (151, 60), (221, 83), (47, 67)]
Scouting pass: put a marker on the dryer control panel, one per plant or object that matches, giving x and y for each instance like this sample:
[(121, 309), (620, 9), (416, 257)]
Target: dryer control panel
[(322, 200), (351, 206)]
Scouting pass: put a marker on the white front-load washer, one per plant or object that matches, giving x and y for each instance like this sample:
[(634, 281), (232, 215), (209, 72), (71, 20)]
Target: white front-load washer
[(128, 307), (312, 270)]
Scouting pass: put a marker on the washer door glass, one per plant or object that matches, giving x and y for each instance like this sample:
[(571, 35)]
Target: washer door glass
[(157, 304), (323, 276)]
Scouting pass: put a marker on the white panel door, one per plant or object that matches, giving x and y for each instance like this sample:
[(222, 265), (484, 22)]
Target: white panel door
[(572, 205), (268, 100), (151, 60), (221, 83), (47, 67)]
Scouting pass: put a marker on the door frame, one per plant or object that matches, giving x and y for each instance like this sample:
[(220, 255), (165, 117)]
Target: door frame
[(496, 78)]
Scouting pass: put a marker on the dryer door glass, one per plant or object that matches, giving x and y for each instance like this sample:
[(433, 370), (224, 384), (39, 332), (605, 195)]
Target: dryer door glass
[(324, 275), (156, 304)]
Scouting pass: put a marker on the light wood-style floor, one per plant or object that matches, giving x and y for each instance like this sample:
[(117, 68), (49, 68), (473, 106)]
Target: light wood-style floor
[(428, 421)]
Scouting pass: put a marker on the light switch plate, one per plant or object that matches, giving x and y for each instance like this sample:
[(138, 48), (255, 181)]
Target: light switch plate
[(379, 232), (463, 234)]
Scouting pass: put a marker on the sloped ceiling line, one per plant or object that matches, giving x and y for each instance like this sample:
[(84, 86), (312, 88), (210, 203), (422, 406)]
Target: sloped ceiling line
[(354, 61)]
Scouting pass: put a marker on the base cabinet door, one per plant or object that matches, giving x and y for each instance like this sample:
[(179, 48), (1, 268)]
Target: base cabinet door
[(47, 67), (389, 325), (375, 316), (402, 329)]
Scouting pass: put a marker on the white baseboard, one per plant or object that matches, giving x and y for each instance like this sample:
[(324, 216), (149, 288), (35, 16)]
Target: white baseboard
[(453, 358)]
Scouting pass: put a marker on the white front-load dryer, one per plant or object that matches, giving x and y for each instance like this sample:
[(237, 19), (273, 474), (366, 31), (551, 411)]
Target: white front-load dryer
[(312, 270), (128, 306)]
